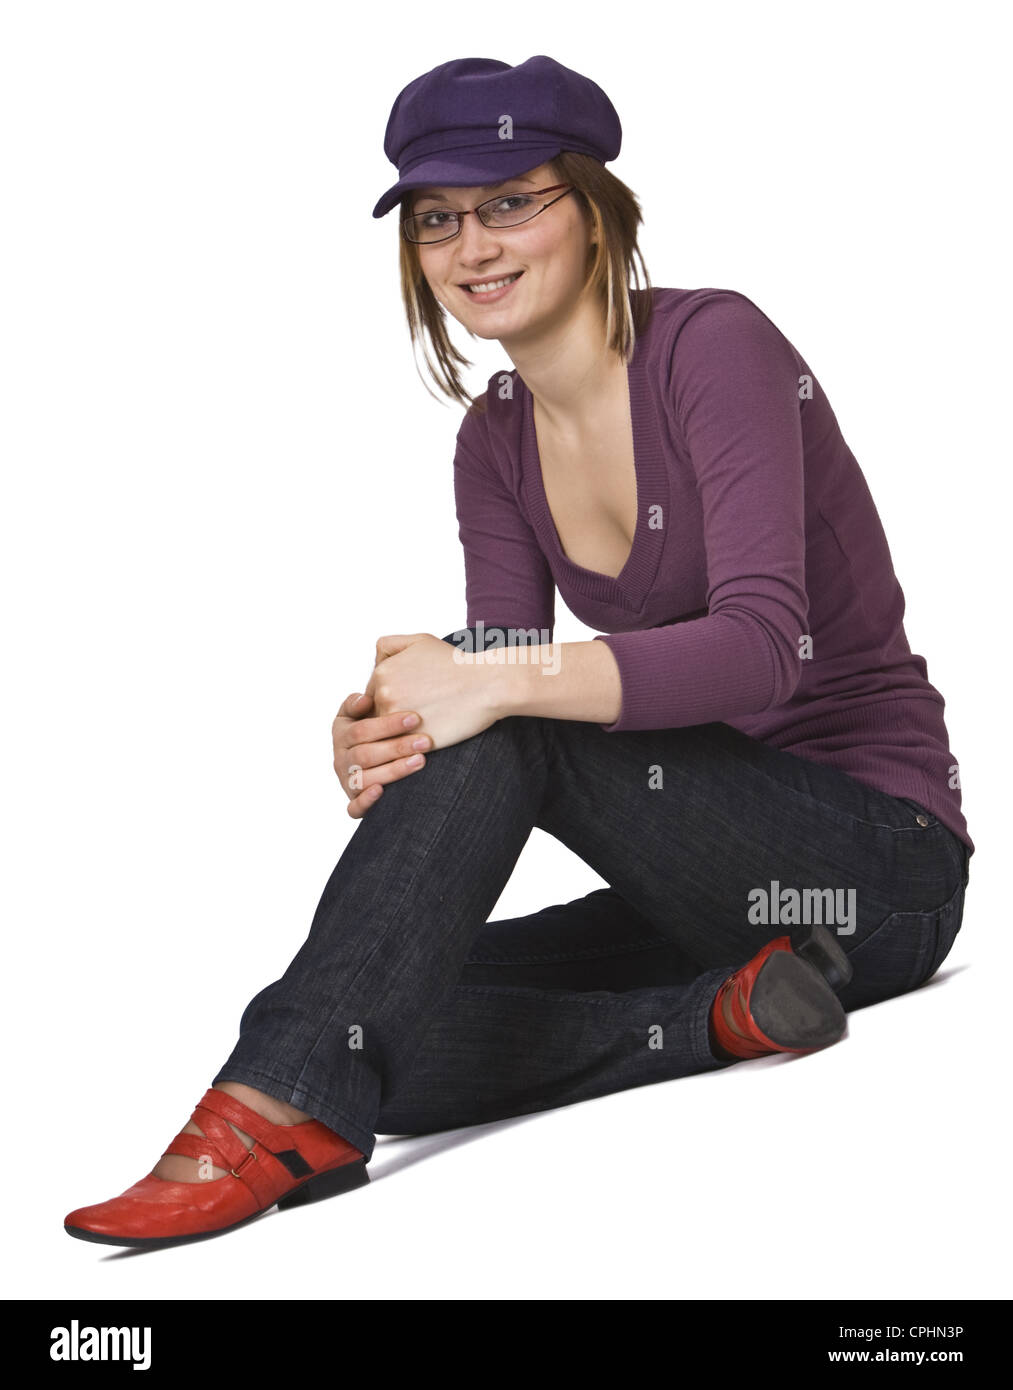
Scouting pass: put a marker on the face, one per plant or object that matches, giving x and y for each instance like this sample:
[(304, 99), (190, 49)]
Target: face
[(545, 259)]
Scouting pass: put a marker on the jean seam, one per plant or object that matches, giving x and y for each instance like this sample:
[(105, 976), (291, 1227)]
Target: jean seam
[(959, 849), (701, 1020), (587, 953), (557, 996), (925, 911), (933, 912), (938, 954), (393, 913)]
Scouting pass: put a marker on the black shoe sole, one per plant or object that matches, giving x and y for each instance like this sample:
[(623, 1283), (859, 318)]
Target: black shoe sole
[(794, 1006), (331, 1184), (817, 946)]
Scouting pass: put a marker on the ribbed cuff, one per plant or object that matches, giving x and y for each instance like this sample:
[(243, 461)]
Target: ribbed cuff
[(690, 673)]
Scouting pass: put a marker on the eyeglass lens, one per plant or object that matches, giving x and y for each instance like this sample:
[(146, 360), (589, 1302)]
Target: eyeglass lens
[(437, 224)]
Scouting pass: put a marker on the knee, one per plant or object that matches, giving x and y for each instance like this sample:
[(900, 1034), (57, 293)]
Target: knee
[(487, 636)]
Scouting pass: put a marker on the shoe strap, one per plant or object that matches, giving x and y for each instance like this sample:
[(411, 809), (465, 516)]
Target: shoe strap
[(738, 1007), (737, 991), (277, 1138), (257, 1167), (744, 1021), (198, 1146), (264, 1174)]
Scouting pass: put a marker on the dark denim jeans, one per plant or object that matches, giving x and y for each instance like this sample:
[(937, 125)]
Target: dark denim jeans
[(405, 1011)]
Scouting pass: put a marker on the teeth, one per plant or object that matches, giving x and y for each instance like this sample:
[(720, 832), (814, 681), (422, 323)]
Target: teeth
[(488, 285)]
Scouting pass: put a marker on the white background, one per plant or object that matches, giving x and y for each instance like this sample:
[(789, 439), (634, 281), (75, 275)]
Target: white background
[(224, 479)]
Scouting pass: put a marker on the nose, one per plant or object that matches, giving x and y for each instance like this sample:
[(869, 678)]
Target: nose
[(475, 242)]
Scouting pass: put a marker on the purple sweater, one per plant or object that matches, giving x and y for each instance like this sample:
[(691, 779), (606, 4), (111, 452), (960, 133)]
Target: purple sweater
[(756, 530)]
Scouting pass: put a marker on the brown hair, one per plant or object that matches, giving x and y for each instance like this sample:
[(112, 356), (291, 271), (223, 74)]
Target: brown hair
[(612, 275)]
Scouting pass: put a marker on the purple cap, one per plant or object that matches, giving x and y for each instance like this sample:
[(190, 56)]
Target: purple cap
[(479, 121)]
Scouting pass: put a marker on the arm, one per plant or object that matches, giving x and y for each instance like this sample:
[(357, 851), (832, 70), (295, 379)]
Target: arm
[(735, 394), (509, 584), (507, 578), (585, 683)]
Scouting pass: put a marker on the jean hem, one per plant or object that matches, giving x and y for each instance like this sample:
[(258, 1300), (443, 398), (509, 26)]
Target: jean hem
[(342, 1123), (699, 1030)]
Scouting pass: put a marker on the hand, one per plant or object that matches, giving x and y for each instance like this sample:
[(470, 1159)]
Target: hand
[(456, 696), (371, 751)]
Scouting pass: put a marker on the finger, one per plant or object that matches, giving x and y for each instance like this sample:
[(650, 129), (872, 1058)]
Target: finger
[(353, 708), (385, 760), (353, 705), (358, 807), (376, 727), (391, 772), (388, 750), (358, 778)]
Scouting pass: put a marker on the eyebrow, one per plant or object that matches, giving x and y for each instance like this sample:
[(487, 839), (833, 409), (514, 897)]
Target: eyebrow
[(484, 187)]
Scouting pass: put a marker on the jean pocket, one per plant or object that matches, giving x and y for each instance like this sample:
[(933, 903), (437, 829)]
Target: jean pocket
[(955, 846), (948, 920), (904, 951)]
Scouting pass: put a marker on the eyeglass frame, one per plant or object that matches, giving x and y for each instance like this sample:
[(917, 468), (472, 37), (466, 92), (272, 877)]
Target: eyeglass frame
[(533, 193)]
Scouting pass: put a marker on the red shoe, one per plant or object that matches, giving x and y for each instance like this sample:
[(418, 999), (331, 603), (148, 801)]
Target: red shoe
[(288, 1164), (783, 1000)]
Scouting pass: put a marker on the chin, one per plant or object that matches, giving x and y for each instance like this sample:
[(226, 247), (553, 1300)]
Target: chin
[(488, 334)]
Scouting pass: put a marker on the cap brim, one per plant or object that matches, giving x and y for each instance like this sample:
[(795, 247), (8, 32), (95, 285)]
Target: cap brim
[(464, 172)]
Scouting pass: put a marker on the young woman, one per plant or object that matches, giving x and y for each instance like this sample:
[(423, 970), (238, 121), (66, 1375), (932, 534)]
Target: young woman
[(748, 753)]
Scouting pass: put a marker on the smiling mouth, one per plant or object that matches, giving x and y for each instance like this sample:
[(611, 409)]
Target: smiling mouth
[(485, 286)]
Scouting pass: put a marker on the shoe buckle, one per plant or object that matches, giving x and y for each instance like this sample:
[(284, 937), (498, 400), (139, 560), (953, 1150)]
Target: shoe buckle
[(250, 1154)]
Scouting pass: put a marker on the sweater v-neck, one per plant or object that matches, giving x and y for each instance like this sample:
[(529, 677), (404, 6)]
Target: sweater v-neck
[(630, 588)]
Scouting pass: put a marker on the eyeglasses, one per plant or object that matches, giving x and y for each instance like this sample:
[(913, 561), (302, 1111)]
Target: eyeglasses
[(508, 210)]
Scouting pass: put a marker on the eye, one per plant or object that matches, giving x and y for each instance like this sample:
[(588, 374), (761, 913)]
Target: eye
[(510, 202), (437, 218)]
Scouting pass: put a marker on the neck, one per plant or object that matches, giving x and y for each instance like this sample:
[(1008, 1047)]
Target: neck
[(571, 374)]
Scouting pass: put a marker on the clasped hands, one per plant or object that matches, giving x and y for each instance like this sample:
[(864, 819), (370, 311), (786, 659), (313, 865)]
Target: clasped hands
[(423, 694)]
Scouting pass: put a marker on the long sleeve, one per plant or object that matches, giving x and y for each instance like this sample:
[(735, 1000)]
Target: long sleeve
[(734, 393), (507, 578)]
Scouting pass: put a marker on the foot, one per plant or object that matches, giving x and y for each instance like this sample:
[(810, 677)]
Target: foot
[(178, 1168), (726, 1010), (732, 1027), (783, 1000), (283, 1164)]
